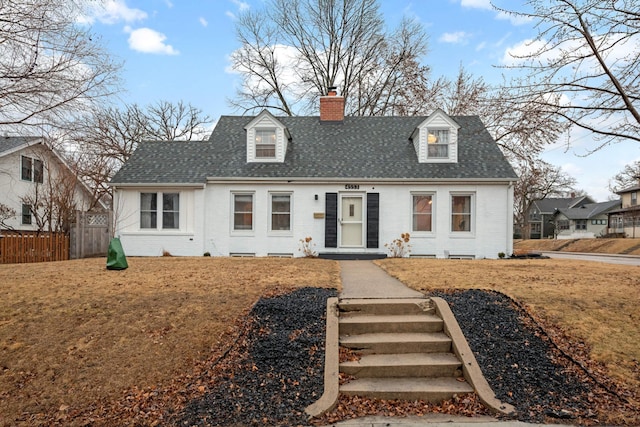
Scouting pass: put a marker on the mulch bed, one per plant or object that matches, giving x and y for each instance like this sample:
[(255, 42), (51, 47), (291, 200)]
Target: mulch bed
[(273, 369)]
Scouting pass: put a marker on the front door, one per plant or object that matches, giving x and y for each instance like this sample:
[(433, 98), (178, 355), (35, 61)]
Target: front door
[(351, 221)]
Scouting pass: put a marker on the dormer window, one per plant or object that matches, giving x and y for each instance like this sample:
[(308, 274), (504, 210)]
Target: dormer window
[(267, 139), (438, 143), (436, 139), (265, 143)]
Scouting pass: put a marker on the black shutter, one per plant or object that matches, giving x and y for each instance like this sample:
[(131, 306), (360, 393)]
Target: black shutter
[(373, 219), (331, 220)]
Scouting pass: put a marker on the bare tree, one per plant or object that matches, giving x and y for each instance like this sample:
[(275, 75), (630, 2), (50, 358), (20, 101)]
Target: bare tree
[(520, 129), (6, 213), (537, 181), (629, 176), (50, 68), (295, 50), (109, 138), (53, 202), (584, 66)]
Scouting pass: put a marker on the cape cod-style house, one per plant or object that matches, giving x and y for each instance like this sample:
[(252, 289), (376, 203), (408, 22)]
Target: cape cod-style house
[(260, 184)]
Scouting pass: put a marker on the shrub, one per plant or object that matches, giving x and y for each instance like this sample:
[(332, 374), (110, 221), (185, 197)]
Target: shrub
[(399, 248), (306, 247)]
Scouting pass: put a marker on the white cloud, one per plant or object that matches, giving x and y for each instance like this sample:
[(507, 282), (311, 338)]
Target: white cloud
[(459, 37), (513, 54), (147, 40), (203, 21), (242, 6), (514, 19), (111, 12), (168, 3), (477, 4), (481, 46)]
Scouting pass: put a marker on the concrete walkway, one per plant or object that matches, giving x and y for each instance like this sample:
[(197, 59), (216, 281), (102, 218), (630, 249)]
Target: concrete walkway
[(364, 279)]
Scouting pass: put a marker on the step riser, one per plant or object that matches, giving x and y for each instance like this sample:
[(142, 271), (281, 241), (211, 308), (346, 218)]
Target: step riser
[(431, 397), (423, 371), (353, 328), (395, 348), (384, 309)]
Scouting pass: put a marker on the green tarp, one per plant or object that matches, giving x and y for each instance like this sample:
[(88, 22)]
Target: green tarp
[(115, 256)]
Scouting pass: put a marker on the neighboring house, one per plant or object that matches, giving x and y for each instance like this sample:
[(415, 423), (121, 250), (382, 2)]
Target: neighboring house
[(626, 220), (32, 178), (587, 221), (261, 184), (541, 214)]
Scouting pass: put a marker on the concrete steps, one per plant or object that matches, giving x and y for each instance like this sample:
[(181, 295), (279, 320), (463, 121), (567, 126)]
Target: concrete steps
[(405, 351)]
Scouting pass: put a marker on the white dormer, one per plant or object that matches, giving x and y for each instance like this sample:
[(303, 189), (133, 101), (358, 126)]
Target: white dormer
[(436, 139), (267, 139)]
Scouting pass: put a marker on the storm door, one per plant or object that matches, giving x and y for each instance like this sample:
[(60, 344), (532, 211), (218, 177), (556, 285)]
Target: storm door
[(351, 221)]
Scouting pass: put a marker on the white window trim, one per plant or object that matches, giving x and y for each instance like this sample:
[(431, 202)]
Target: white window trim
[(288, 232), (232, 218), (159, 213), (428, 130), (275, 144), (472, 214), (433, 213)]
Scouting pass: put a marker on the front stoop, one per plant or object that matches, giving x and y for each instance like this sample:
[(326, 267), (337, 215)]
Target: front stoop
[(405, 352)]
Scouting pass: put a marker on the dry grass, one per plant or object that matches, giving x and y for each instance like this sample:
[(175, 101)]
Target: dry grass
[(603, 246), (593, 302), (73, 333)]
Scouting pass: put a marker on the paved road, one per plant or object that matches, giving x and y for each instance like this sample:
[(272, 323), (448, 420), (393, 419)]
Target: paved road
[(611, 259)]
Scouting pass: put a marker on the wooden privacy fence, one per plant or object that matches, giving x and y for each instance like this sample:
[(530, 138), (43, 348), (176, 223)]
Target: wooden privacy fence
[(90, 234), (33, 247)]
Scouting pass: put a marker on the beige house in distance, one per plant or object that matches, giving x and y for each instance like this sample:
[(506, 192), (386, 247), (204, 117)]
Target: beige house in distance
[(626, 219)]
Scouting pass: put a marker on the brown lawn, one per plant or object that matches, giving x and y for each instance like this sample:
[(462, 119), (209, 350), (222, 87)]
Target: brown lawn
[(603, 246), (76, 337), (592, 302)]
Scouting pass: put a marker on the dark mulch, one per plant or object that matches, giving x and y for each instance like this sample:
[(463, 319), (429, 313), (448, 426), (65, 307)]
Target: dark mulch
[(517, 360), (275, 369)]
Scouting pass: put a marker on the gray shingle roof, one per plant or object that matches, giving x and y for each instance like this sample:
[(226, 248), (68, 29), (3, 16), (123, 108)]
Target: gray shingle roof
[(360, 147), (549, 205), (8, 143), (590, 210)]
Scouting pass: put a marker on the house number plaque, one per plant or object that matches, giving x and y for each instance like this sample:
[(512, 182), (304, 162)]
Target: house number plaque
[(352, 186)]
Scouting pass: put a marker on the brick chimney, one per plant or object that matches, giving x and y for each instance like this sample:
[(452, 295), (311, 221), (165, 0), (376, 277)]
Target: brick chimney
[(332, 107)]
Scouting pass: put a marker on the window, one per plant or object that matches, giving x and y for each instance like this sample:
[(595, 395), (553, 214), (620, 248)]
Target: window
[(536, 227), (32, 169), (148, 210), (26, 214), (438, 143), (598, 221), (581, 224), (422, 212), (280, 212), (461, 213), (243, 211), (634, 198), (170, 210), (265, 143), (563, 224), (27, 170)]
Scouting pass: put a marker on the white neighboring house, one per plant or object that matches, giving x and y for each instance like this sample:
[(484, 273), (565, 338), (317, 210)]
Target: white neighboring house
[(260, 184), (30, 169), (586, 221)]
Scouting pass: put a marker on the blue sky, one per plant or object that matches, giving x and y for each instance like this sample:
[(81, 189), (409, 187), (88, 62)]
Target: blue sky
[(178, 50)]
